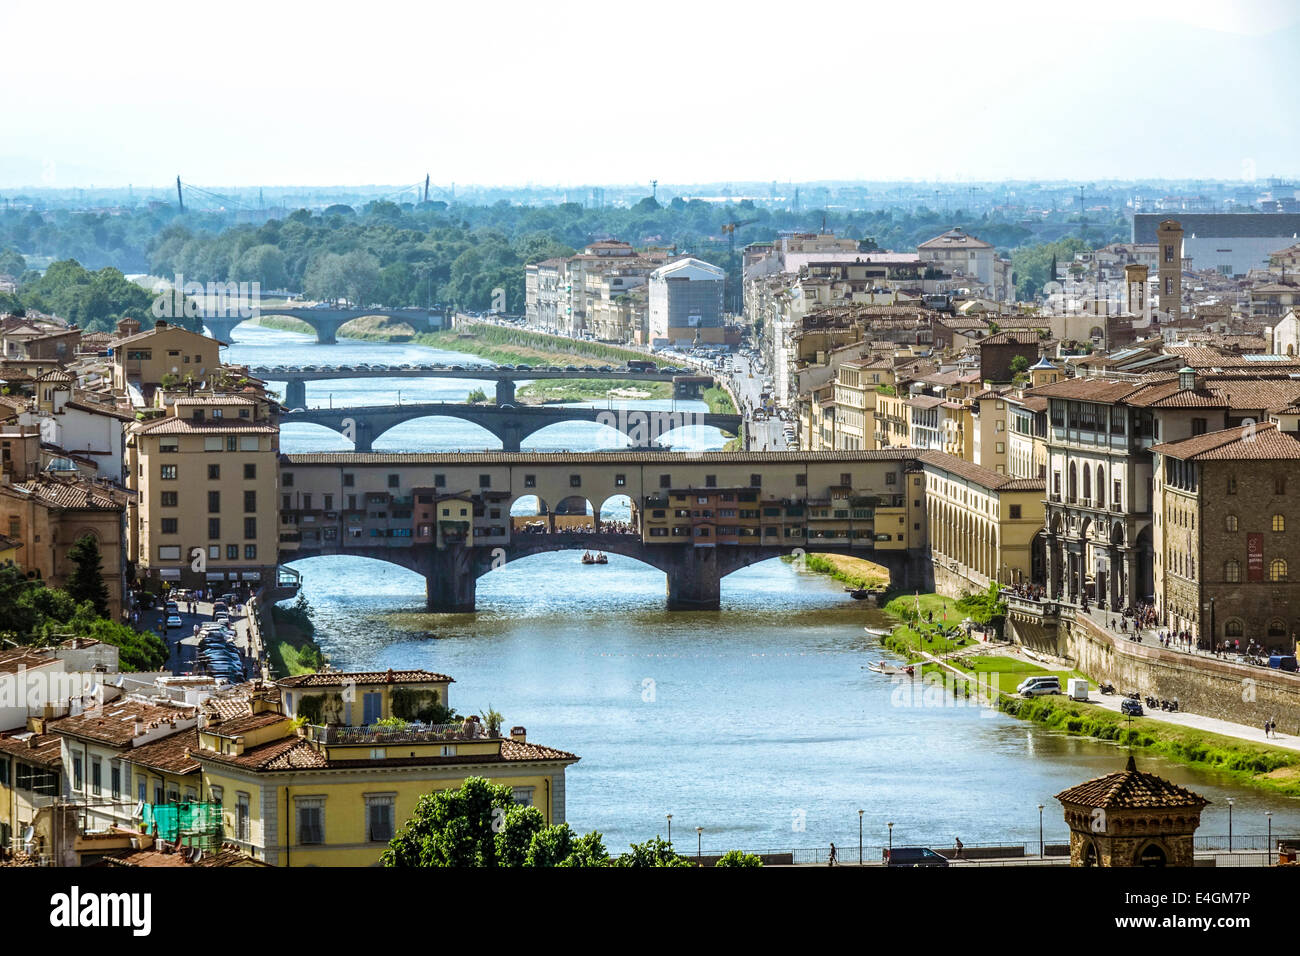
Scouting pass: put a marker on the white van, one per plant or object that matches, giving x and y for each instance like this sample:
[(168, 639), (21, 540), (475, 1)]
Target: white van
[(1039, 686)]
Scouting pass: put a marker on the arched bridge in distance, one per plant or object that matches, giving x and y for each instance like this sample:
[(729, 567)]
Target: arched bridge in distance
[(511, 424), (326, 321), (685, 383), (696, 517)]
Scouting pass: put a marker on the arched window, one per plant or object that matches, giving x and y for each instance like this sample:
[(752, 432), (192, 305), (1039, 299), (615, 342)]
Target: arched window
[(1074, 482), (1234, 628), (1231, 522), (1276, 628), (1232, 571), (1277, 570), (1101, 486), (1087, 482), (1279, 522)]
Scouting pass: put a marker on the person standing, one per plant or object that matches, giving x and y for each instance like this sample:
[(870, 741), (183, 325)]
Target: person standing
[(833, 858)]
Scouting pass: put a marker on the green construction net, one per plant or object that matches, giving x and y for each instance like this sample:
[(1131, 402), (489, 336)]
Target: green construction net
[(190, 822)]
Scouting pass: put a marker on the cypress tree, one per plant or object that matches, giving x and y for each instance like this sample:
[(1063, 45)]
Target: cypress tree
[(86, 582)]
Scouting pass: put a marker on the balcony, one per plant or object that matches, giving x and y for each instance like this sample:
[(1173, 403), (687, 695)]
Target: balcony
[(381, 734)]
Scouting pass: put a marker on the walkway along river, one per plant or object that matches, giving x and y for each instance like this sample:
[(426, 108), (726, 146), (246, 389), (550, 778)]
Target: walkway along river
[(759, 723)]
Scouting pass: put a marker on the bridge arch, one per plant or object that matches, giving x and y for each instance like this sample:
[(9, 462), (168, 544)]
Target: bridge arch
[(306, 437), (448, 432)]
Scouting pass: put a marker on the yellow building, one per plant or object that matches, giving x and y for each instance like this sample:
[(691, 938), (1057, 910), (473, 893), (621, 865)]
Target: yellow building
[(984, 527), (163, 354), (207, 479), (334, 794)]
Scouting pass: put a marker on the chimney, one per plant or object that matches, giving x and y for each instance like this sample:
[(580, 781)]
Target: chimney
[(139, 727), (519, 735)]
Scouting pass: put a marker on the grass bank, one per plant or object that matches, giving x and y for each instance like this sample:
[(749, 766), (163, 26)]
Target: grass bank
[(585, 390), (285, 323), (719, 401), (1255, 764), (854, 572), (293, 649)]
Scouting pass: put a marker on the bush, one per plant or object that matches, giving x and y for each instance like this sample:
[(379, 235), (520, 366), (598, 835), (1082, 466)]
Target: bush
[(739, 858)]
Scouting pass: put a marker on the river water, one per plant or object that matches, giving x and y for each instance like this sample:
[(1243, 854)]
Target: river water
[(759, 723)]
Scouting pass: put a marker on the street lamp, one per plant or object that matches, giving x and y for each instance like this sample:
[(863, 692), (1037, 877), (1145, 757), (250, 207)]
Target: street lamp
[(859, 838), (699, 845), (1230, 824), (891, 836), (1269, 815), (1040, 831), (670, 829)]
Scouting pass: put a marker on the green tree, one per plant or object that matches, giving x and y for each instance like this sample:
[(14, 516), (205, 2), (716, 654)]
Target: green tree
[(1019, 364), (655, 852), (86, 582), (739, 858)]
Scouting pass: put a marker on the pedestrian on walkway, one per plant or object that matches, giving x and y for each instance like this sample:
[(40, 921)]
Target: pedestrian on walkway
[(957, 847), (833, 858)]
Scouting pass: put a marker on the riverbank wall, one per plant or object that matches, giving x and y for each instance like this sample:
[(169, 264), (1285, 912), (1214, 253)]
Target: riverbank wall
[(1241, 693)]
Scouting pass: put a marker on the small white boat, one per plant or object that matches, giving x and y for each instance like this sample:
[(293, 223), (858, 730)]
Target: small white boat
[(878, 631), (883, 667)]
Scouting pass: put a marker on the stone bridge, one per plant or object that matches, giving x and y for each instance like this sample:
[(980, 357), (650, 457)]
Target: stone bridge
[(453, 517), (511, 424), (296, 379), (694, 574), (326, 322)]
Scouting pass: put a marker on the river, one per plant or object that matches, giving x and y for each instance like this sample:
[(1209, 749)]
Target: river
[(759, 723)]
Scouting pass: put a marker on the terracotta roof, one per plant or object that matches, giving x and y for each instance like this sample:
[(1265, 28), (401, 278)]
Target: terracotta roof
[(1264, 443), (982, 476), (287, 753), (155, 857), (11, 662), (114, 724), (171, 754), (514, 750), (340, 678), (242, 725), (172, 425), (296, 753), (74, 493), (42, 750), (1131, 789), (1012, 337)]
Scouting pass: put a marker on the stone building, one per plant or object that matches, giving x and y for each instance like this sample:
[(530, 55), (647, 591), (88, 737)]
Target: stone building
[(1223, 504), (1131, 818)]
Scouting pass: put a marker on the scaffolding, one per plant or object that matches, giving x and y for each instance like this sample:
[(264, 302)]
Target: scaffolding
[(185, 824)]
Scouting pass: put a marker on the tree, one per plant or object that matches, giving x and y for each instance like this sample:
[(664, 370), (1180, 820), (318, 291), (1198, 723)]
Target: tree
[(655, 852), (1019, 364), (479, 824), (739, 858), (86, 582)]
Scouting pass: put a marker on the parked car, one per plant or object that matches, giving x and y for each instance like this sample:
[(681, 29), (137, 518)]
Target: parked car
[(913, 856), (173, 620), (1130, 707), (1040, 686)]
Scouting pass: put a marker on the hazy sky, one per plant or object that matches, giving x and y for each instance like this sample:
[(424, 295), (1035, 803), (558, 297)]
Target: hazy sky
[(509, 93)]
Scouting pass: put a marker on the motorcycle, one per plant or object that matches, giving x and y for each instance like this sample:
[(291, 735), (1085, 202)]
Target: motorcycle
[(1106, 688)]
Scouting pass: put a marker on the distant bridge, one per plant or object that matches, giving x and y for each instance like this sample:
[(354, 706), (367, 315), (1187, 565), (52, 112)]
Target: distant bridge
[(685, 384), (326, 322), (511, 424)]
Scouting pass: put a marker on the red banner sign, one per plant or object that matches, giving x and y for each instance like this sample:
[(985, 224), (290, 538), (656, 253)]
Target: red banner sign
[(1255, 557)]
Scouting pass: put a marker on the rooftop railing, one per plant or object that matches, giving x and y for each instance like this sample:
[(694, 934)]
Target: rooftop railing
[(414, 732)]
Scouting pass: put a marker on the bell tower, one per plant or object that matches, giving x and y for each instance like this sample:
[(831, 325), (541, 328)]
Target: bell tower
[(1169, 241)]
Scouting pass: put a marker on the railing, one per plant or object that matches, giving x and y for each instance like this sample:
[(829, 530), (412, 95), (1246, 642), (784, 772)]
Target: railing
[(390, 734)]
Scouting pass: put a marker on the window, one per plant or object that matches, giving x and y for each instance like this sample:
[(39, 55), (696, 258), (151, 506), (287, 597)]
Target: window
[(1232, 484), (116, 778), (170, 499), (167, 473), (1279, 484), (169, 526), (1279, 522), (250, 552), (710, 481), (232, 442), (286, 479), (620, 481), (232, 552), (1231, 572), (349, 480), (1231, 522), (214, 551), (665, 481), (530, 481), (250, 527), (214, 472), (169, 552), (1199, 426), (241, 817), (311, 820), (1015, 512), (846, 479), (96, 776), (214, 502), (1277, 570), (379, 818), (214, 529), (250, 500), (801, 480), (440, 481), (575, 481), (394, 481), (523, 796), (76, 771), (485, 481), (1234, 628)]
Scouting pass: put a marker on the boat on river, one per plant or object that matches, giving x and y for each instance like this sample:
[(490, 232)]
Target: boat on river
[(884, 667), (878, 631), (598, 558), (858, 594)]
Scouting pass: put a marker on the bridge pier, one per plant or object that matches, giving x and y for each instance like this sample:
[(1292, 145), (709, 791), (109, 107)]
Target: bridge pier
[(511, 435), (694, 583), (451, 581), (326, 329), (295, 393), (363, 435), (221, 327), (505, 391)]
